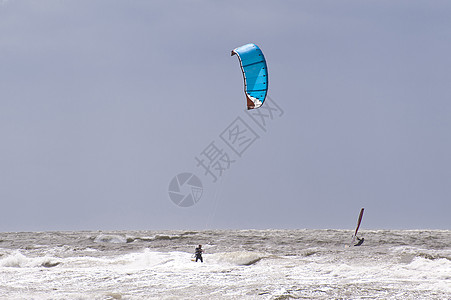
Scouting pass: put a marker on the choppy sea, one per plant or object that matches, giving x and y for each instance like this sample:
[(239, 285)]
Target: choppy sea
[(238, 264)]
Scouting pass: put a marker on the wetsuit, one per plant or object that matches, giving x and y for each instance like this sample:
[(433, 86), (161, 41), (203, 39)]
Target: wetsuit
[(360, 242), (198, 254)]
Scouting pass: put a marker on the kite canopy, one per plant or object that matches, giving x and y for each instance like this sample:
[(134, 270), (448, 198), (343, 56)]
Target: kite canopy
[(255, 73)]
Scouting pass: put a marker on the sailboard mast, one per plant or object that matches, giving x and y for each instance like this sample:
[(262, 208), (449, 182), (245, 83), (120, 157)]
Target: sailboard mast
[(359, 221)]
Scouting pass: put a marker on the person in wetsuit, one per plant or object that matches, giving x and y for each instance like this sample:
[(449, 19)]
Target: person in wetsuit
[(198, 253), (360, 241)]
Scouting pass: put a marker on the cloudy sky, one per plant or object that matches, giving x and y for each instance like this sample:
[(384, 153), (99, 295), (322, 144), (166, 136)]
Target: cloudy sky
[(102, 103)]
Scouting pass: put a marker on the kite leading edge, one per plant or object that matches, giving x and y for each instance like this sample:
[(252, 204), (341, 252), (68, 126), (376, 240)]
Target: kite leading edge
[(255, 73)]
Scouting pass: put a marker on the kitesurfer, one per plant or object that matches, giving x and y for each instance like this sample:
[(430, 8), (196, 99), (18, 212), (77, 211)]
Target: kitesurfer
[(360, 241), (198, 253)]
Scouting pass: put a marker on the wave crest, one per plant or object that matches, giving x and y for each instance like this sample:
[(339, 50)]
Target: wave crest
[(18, 260), (240, 258)]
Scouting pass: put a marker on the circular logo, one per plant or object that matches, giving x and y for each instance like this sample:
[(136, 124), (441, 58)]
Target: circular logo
[(185, 189)]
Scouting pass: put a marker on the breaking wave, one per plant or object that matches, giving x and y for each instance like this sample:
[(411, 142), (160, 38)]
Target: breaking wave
[(18, 260), (240, 258), (109, 238)]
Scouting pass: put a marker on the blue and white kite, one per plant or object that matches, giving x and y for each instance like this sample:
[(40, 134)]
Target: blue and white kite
[(255, 73)]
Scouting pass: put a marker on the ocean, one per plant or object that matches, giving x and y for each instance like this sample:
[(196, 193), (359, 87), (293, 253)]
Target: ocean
[(238, 264)]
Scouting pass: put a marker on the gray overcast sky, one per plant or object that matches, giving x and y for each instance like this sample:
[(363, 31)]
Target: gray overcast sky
[(102, 103)]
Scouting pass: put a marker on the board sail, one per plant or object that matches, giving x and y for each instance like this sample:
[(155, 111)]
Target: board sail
[(358, 226)]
